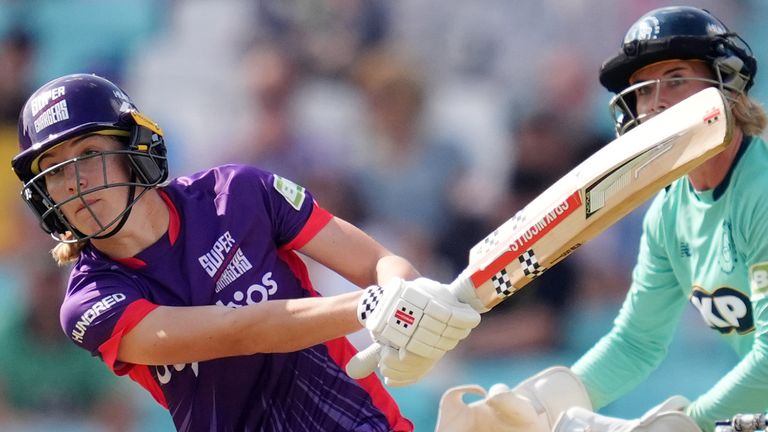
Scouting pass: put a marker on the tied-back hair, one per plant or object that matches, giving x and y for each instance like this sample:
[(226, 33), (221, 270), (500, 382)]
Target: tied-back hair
[(750, 115), (67, 253)]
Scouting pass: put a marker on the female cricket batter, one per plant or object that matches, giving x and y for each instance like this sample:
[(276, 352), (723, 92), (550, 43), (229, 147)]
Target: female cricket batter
[(705, 241), (193, 289)]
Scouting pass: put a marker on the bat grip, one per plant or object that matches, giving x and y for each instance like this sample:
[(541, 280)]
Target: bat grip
[(463, 289), (364, 362)]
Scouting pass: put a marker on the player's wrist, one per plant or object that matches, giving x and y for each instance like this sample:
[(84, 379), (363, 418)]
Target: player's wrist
[(368, 303)]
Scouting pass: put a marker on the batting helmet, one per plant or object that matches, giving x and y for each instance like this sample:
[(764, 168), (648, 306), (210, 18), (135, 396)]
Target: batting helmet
[(76, 105), (682, 33)]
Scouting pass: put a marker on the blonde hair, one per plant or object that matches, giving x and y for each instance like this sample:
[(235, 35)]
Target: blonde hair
[(749, 114), (67, 253)]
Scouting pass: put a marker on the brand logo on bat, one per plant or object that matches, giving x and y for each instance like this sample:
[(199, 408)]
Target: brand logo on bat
[(528, 238), (546, 223), (712, 116)]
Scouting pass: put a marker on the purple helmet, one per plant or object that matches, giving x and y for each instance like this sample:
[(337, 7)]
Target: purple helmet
[(76, 105)]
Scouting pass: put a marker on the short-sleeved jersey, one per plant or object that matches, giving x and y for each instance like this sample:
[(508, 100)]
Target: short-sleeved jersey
[(709, 248), (230, 242)]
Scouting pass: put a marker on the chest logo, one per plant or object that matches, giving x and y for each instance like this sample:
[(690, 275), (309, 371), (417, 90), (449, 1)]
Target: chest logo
[(685, 250), (225, 262), (728, 252), (724, 310)]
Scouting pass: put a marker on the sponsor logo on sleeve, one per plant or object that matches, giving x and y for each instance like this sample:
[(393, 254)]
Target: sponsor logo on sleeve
[(292, 192), (93, 312), (758, 280)]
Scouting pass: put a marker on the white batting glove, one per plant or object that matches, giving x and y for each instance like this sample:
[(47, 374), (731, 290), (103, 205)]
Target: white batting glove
[(418, 318), (400, 367)]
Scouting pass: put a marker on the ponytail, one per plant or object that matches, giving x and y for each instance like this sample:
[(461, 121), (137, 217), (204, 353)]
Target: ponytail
[(67, 253)]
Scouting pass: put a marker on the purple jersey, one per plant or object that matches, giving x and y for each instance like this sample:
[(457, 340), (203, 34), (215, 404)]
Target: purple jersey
[(229, 242)]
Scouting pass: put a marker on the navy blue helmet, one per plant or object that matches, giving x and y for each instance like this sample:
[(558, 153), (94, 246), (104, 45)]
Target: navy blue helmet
[(682, 33)]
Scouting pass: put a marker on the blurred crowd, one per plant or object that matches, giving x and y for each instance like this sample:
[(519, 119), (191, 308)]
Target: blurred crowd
[(425, 122)]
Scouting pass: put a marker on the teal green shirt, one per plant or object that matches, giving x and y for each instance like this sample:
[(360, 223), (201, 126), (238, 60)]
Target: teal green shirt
[(709, 249)]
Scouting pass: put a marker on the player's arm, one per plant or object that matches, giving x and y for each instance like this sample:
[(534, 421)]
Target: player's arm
[(413, 320), (170, 335), (353, 254), (182, 334)]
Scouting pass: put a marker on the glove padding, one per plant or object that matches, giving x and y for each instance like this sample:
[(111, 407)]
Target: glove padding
[(665, 417), (500, 410), (419, 319), (532, 406), (400, 368)]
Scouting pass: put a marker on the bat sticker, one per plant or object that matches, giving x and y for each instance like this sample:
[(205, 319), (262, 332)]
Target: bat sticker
[(503, 284), (531, 266)]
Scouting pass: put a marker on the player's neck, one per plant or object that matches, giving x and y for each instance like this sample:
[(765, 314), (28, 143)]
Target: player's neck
[(147, 223), (712, 172)]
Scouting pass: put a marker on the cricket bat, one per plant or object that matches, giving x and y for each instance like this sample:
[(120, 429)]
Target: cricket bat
[(586, 201), (596, 194)]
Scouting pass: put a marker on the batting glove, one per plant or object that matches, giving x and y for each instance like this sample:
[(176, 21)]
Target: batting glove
[(417, 318)]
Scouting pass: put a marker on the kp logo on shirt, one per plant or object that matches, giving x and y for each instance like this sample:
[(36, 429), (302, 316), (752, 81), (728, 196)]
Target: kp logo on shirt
[(724, 310)]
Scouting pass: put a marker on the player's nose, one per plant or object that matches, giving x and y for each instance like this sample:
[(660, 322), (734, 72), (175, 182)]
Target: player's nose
[(75, 179)]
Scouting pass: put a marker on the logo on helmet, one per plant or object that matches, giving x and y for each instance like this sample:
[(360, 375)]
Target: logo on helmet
[(52, 115), (645, 29), (43, 99), (127, 104)]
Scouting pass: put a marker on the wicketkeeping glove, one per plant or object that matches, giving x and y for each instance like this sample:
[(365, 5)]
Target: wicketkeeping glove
[(665, 417)]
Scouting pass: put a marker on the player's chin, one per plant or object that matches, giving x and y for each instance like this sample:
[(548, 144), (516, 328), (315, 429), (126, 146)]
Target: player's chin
[(92, 222)]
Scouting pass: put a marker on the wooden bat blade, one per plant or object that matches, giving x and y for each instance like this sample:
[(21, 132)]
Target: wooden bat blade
[(596, 194)]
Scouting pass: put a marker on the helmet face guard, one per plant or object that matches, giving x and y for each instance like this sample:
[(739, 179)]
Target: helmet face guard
[(79, 105), (676, 33), (623, 108)]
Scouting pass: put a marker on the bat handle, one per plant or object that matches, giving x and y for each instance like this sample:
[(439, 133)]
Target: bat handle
[(364, 362), (463, 289)]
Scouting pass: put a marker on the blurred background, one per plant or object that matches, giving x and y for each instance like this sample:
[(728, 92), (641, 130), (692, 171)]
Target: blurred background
[(425, 122)]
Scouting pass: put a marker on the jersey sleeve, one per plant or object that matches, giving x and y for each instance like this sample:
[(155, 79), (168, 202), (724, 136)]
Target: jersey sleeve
[(645, 326), (98, 311), (744, 388), (294, 215)]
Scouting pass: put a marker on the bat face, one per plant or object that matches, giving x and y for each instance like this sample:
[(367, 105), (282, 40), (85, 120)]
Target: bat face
[(596, 194)]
